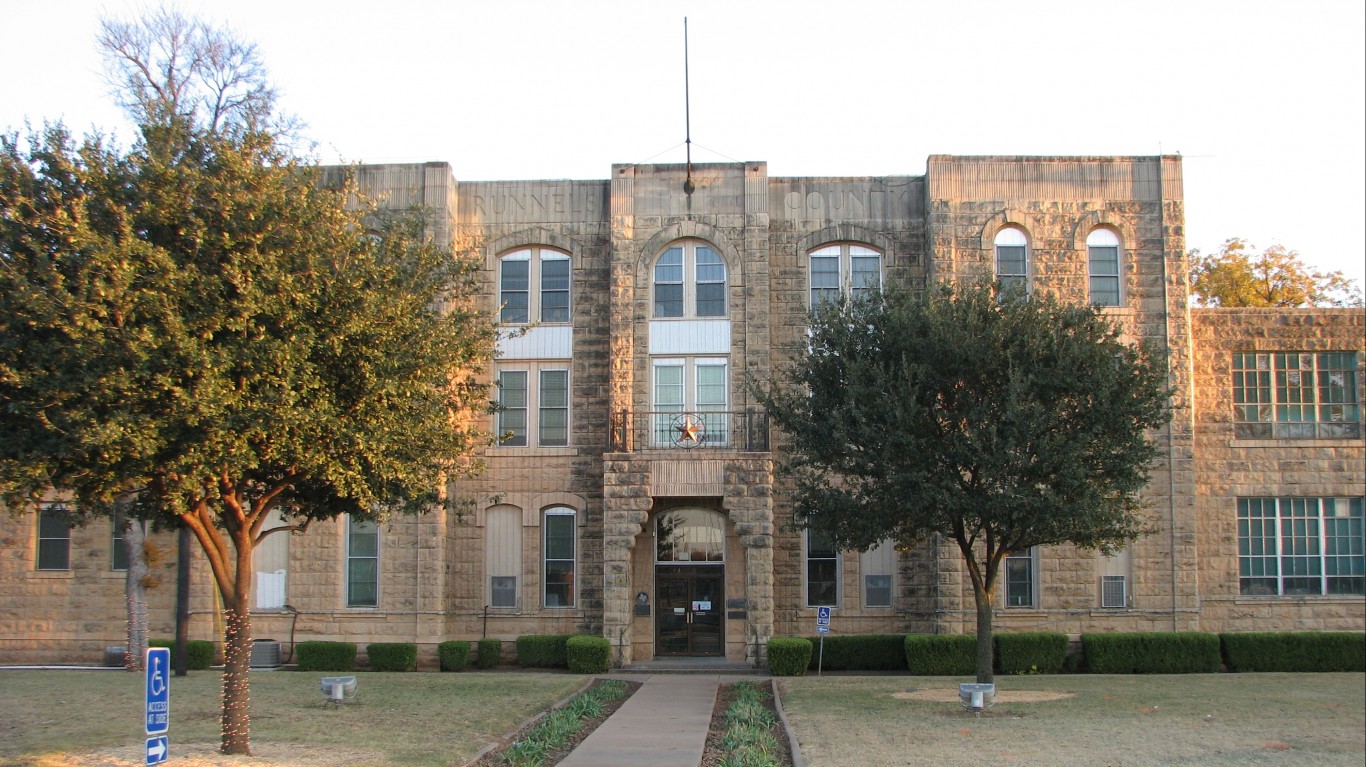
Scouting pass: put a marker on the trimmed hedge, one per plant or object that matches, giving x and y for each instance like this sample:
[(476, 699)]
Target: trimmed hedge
[(588, 654), (392, 656), (1030, 652), (866, 652), (1294, 651), (326, 656), (788, 656), (454, 655), (941, 654), (489, 654), (200, 651), (1165, 652), (543, 651)]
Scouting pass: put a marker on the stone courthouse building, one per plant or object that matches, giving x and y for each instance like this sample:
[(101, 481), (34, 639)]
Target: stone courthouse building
[(634, 495)]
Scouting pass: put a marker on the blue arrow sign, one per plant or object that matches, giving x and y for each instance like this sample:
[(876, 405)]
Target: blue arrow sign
[(158, 692), (157, 749)]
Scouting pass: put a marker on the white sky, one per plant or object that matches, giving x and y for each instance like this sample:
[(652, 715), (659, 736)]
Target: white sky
[(1265, 100)]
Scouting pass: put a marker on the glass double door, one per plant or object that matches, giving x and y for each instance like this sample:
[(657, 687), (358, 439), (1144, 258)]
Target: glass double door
[(690, 617)]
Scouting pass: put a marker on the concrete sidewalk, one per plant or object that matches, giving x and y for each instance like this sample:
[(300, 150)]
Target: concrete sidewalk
[(663, 725)]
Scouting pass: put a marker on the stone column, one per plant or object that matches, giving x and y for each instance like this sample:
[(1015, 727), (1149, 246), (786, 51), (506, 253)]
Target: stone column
[(626, 507), (749, 499)]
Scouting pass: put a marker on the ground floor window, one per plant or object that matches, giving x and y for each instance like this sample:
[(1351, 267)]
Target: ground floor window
[(560, 542), (1301, 546), (1021, 577), (54, 537), (362, 563), (822, 568)]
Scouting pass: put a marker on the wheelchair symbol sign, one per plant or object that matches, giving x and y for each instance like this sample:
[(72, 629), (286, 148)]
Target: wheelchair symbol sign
[(158, 690)]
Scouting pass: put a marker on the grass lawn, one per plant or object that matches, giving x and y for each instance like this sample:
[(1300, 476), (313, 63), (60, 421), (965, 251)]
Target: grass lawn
[(54, 718), (1210, 720)]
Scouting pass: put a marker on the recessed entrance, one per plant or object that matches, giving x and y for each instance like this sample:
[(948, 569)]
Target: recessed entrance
[(690, 610)]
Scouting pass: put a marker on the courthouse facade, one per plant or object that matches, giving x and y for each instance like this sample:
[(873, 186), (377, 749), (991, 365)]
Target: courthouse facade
[(633, 495)]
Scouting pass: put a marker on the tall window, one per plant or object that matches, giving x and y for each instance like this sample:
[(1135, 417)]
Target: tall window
[(847, 269), (362, 563), (118, 551), (533, 282), (1295, 395), (689, 281), (534, 405), (877, 565), (1012, 258), (1102, 259), (691, 385), (560, 539), (503, 554), (1301, 546), (1021, 577), (272, 565), (822, 570), (54, 537)]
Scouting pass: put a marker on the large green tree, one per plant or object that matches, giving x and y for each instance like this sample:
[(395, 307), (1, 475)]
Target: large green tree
[(1276, 277), (997, 420), (204, 331)]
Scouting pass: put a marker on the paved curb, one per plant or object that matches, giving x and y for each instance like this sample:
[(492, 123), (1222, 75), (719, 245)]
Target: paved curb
[(792, 745), (503, 741)]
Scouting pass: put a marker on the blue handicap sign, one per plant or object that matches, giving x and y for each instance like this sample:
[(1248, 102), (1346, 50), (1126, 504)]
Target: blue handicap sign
[(157, 749), (158, 693), (822, 617)]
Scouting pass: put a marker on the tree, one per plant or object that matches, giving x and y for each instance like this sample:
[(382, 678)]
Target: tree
[(999, 421), (1276, 277), (211, 334)]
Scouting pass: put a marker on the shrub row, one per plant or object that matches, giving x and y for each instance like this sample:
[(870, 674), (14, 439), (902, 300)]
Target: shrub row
[(200, 651), (1165, 652), (788, 656), (868, 652), (392, 656), (588, 654), (543, 651), (326, 656), (1294, 651)]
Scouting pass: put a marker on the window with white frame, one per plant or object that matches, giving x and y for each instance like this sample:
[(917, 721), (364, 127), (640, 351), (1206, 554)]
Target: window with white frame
[(54, 537), (560, 539), (689, 282), (1022, 570), (877, 566), (362, 563), (1301, 546), (1102, 263), (533, 404), (1295, 395), (503, 554), (822, 570), (533, 286), (1012, 258), (843, 269), (691, 385)]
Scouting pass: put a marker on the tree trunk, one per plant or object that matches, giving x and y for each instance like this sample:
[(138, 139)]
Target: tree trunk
[(985, 674), (135, 593), (236, 686)]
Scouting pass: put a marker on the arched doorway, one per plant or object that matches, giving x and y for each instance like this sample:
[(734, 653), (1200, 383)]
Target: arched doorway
[(690, 582)]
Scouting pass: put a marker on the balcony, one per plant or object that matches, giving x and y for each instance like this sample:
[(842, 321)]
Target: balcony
[(737, 430)]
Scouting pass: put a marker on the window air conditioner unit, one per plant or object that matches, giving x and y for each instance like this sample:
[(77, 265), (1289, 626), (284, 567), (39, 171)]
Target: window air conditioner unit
[(1114, 591)]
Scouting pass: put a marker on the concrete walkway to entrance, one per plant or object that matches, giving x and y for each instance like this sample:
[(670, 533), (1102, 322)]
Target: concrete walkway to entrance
[(663, 725)]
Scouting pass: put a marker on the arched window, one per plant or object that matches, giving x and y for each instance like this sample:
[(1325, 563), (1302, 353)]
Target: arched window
[(690, 535), (1012, 258), (560, 536), (845, 268), (689, 282), (533, 283), (1102, 259)]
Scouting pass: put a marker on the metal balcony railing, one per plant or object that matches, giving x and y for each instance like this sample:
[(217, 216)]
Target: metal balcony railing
[(739, 430)]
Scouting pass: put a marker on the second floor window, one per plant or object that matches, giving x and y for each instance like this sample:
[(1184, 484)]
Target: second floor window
[(1012, 259), (689, 282), (533, 286), (534, 405), (1102, 262), (1295, 395), (847, 269)]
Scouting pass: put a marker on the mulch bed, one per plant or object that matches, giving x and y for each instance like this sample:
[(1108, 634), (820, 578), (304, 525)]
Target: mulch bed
[(491, 759), (724, 697)]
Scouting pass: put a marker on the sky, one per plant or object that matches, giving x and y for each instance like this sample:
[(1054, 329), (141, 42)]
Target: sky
[(1265, 101)]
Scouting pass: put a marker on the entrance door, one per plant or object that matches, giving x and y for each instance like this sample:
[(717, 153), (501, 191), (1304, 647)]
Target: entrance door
[(690, 603)]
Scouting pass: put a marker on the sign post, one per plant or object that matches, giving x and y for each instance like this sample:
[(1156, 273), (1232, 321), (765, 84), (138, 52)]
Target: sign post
[(158, 719), (822, 628)]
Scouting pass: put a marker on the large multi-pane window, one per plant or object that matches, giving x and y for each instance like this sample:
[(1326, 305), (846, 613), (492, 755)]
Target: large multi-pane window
[(1295, 395), (533, 401), (689, 282), (1102, 261), (54, 537), (533, 286), (822, 570), (844, 269), (362, 563), (560, 539), (1021, 578), (697, 385), (1301, 546), (1012, 258)]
